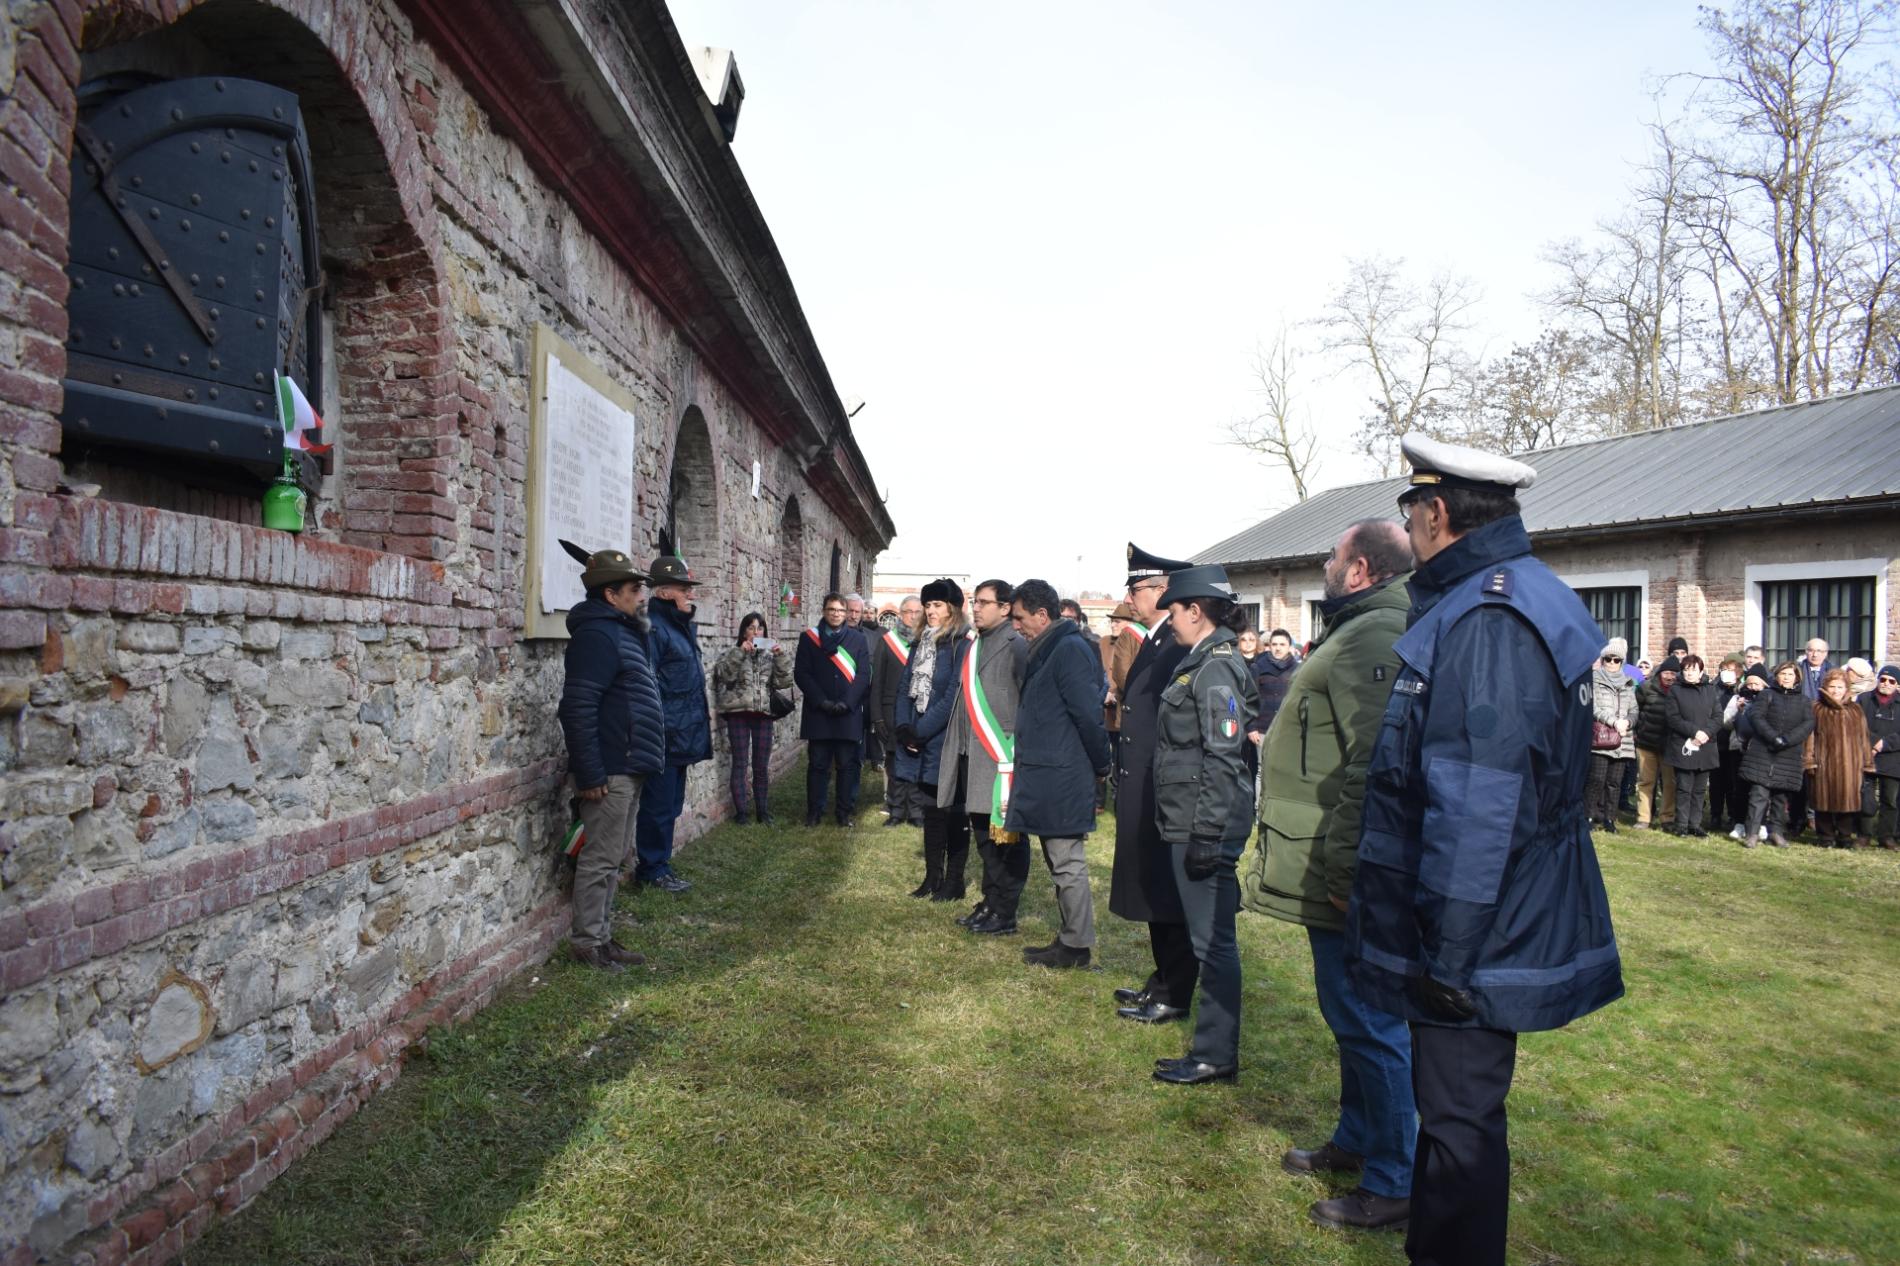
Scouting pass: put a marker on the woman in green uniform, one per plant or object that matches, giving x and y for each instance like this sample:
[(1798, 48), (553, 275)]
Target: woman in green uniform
[(1204, 805)]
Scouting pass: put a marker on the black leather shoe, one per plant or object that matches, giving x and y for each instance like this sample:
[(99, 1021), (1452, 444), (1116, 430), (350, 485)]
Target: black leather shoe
[(1133, 997), (994, 925), (1152, 1013), (895, 822), (946, 893), (1327, 1158), (1360, 1210), (1192, 1072), (847, 822), (764, 816), (975, 916), (1056, 954)]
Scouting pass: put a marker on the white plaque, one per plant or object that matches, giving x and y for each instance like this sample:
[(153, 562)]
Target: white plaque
[(755, 480), (586, 481)]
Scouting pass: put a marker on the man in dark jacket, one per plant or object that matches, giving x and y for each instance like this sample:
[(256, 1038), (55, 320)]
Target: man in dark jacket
[(1478, 910), (1143, 888), (615, 727), (1312, 794), (1061, 749), (976, 757), (1814, 666), (1272, 674), (1882, 706), (1655, 785), (682, 678), (890, 652), (830, 672)]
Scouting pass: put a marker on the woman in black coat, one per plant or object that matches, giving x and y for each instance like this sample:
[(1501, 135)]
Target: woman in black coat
[(1776, 725), (925, 695), (1882, 706), (1692, 717)]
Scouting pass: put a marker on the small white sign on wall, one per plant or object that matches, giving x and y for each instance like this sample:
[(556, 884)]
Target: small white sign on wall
[(755, 480)]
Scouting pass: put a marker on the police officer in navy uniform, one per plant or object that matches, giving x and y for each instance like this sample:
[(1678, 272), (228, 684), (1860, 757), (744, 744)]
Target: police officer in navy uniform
[(1142, 888), (1478, 910)]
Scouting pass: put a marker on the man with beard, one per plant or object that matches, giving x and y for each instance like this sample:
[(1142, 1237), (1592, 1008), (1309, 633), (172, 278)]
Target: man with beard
[(890, 652), (682, 678), (832, 672), (1143, 887)]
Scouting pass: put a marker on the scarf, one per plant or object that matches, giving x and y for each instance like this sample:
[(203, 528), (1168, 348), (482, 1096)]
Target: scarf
[(923, 664)]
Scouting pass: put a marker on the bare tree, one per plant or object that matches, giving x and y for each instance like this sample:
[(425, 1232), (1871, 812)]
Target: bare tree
[(1282, 437), (1406, 338), (1563, 387)]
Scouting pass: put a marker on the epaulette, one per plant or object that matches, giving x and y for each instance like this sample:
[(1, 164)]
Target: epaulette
[(1223, 649), (1498, 583)]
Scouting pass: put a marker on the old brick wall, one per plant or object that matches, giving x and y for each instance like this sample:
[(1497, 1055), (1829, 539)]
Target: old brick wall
[(275, 804)]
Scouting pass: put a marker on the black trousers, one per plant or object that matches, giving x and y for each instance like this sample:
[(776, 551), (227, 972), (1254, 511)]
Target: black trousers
[(1176, 969), (1604, 785), (1692, 796), (1211, 905), (1005, 868), (1733, 798), (1884, 822), (843, 754), (1461, 1173)]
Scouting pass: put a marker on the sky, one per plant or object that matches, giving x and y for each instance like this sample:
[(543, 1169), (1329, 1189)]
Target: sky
[(1042, 240)]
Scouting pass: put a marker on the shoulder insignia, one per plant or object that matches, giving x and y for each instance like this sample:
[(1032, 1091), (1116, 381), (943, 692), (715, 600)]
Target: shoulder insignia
[(1498, 582), (1221, 650), (1378, 673), (1183, 679)]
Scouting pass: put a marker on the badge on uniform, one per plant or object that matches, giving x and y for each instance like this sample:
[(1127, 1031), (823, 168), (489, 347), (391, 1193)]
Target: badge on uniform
[(1378, 673), (1499, 582)]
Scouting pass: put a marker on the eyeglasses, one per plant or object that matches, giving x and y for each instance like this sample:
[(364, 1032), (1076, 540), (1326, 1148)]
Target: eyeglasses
[(1612, 659), (834, 610), (987, 602)]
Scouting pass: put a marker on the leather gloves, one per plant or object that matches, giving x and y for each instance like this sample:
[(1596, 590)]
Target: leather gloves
[(1203, 857), (1438, 999), (834, 707), (908, 737)]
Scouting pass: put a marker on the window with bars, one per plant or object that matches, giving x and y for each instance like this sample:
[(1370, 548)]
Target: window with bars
[(1839, 610), (1251, 610), (1618, 611)]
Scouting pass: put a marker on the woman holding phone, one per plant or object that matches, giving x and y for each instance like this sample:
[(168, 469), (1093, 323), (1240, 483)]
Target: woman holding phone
[(743, 682)]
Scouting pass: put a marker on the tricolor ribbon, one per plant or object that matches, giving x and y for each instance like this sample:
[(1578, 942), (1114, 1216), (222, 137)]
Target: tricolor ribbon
[(999, 746)]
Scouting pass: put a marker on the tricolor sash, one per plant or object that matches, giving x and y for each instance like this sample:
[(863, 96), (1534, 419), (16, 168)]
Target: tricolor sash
[(897, 646), (840, 658), (999, 746), (1138, 627)]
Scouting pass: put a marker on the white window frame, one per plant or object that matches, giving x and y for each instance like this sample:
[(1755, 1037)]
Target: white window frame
[(1754, 576), (1307, 598), (1259, 600), (1638, 579)]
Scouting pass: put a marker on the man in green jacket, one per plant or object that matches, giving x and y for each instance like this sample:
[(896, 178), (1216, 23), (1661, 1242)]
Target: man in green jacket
[(1312, 792)]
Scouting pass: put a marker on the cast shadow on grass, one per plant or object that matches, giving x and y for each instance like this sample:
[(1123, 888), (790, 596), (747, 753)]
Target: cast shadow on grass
[(438, 1162)]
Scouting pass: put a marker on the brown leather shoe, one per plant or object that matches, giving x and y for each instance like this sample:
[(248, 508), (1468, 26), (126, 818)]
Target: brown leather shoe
[(1360, 1210), (621, 954), (1328, 1158), (594, 956)]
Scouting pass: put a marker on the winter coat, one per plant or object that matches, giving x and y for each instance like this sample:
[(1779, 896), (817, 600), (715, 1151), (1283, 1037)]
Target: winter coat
[(1202, 787), (890, 651), (1651, 731), (1688, 709), (1776, 725), (682, 680), (610, 708), (1614, 697), (1118, 656), (1142, 886), (1271, 677), (1061, 743), (1475, 862), (1883, 723), (921, 766), (743, 680), (1837, 753), (829, 666), (999, 667), (1313, 763)]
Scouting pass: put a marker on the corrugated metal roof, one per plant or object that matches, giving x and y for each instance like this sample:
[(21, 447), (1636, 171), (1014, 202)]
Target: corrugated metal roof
[(1841, 449)]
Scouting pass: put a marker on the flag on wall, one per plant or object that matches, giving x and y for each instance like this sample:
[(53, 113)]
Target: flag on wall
[(301, 423)]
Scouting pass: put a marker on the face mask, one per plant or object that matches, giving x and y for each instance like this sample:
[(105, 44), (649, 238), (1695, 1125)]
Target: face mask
[(1728, 678)]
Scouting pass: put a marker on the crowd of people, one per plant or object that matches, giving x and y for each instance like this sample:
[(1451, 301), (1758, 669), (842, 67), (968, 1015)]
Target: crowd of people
[(1419, 786)]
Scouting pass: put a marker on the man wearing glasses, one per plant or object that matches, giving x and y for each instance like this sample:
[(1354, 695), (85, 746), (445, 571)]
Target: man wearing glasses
[(833, 672)]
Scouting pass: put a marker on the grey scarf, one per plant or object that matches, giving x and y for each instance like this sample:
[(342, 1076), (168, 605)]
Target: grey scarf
[(923, 664)]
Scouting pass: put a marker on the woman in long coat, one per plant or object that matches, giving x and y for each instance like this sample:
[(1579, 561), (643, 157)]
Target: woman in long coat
[(1776, 725), (1614, 705), (1692, 715), (1839, 754), (924, 699)]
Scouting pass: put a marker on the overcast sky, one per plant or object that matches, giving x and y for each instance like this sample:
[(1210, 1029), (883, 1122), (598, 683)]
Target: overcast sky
[(1041, 239)]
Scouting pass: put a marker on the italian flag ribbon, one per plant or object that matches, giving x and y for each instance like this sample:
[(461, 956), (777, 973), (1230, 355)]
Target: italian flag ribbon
[(301, 422), (898, 646), (1138, 627), (997, 745), (840, 658), (575, 839)]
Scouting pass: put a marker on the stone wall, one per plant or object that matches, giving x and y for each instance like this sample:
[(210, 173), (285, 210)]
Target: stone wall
[(275, 804)]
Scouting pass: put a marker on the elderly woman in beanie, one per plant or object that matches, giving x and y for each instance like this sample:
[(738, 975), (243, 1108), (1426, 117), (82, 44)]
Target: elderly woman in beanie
[(1655, 785), (1882, 708), (1860, 677), (1615, 707), (1776, 724), (1838, 755), (1694, 720)]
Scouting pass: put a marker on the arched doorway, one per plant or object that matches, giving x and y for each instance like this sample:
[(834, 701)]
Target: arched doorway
[(791, 565), (692, 511)]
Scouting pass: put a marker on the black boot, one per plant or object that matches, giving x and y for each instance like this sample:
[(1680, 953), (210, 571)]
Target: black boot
[(764, 814), (956, 857), (933, 858)]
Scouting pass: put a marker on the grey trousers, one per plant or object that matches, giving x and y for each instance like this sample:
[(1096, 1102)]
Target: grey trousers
[(609, 824), (1068, 861)]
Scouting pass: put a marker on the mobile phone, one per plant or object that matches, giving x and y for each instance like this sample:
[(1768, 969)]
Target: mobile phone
[(764, 644)]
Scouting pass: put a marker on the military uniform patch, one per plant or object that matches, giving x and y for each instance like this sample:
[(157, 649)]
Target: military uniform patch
[(1499, 582), (1378, 672)]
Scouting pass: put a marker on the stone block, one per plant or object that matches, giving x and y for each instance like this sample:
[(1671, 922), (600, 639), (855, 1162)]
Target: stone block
[(224, 758), (379, 709), (14, 695), (248, 993), (308, 644), (186, 706), (371, 975), (179, 1022), (90, 648), (30, 797), (308, 686), (158, 1111), (208, 639), (180, 833), (284, 747), (29, 1028), (262, 635), (40, 855), (102, 841), (105, 733), (227, 821), (92, 1149), (46, 739), (298, 971), (150, 637)]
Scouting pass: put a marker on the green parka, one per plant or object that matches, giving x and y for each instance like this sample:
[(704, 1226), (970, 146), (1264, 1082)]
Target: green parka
[(1313, 763)]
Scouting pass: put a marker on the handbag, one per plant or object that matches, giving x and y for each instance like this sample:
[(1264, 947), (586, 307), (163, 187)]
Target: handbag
[(1604, 737), (782, 704), (1869, 795)]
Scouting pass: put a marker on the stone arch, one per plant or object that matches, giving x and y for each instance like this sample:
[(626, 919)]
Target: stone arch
[(692, 507), (791, 564), (385, 309)]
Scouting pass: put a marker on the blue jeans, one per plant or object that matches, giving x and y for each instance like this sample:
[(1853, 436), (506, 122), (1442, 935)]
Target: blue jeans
[(661, 801), (1377, 1117)]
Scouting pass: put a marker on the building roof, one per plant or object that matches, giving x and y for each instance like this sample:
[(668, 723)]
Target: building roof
[(1825, 455)]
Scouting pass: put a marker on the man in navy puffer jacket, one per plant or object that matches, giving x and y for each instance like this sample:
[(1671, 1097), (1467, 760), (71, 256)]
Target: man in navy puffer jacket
[(682, 680), (616, 739)]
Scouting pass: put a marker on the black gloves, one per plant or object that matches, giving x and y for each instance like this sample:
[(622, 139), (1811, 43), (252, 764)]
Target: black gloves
[(1777, 742), (1441, 1000), (834, 707), (908, 737), (1203, 857)]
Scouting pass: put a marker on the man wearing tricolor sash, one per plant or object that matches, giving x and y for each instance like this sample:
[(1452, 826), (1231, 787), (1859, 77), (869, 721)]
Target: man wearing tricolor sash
[(832, 672), (890, 652), (1061, 749), (977, 765)]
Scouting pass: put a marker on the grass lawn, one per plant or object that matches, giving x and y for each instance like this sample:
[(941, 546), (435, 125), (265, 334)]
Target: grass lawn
[(814, 1068)]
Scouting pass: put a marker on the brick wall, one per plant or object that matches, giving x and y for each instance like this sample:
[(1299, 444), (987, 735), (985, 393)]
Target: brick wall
[(274, 804)]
